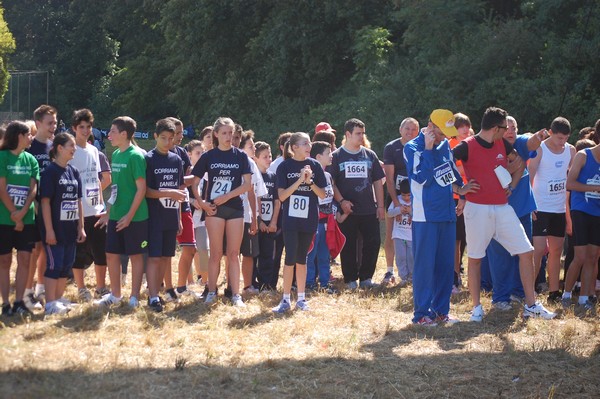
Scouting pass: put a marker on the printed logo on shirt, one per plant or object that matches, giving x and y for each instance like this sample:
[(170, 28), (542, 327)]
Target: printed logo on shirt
[(558, 164)]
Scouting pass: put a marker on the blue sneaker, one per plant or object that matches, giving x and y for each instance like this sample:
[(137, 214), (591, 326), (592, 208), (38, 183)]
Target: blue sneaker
[(302, 305), (283, 307)]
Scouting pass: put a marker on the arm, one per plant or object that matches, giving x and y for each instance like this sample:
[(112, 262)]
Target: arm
[(533, 165), (272, 228), (175, 194), (105, 179), (140, 184), (572, 183), (378, 186), (390, 184), (517, 173), (535, 140), (244, 187), (47, 216), (80, 225), (253, 210), (188, 180), (284, 193)]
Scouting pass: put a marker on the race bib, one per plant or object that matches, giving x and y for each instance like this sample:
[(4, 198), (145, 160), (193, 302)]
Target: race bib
[(220, 187), (557, 187), (592, 195), (113, 194), (92, 195), (356, 170), (18, 194), (328, 196), (69, 211), (266, 210), (298, 206), (444, 175), (399, 180)]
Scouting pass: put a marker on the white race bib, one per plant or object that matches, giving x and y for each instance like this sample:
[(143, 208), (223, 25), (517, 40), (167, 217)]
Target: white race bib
[(298, 206), (69, 210), (557, 187), (18, 194), (356, 170), (328, 195), (399, 179), (113, 194), (593, 195), (220, 187), (444, 175), (92, 195), (266, 210)]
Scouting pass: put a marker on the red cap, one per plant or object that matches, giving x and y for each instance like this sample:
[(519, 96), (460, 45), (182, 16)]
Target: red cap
[(324, 127)]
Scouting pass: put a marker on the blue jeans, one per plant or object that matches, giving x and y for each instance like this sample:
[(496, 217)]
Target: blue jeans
[(317, 261)]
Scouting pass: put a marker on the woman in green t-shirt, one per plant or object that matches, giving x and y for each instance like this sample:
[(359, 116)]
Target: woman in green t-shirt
[(19, 173)]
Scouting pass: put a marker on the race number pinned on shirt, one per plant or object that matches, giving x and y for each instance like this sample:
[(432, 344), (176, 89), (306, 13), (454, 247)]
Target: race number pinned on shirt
[(92, 195), (444, 175), (298, 207), (592, 195), (399, 180), (557, 186), (69, 210), (328, 195), (18, 194), (266, 210), (220, 187), (113, 194), (356, 170), (168, 203)]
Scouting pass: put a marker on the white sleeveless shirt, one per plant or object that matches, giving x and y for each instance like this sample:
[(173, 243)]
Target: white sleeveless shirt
[(550, 180)]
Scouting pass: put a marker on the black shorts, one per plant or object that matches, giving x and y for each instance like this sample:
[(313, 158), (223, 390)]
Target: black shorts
[(37, 235), (20, 240), (59, 260), (93, 249), (297, 244), (228, 213), (249, 245), (161, 243), (132, 240), (549, 224), (461, 234), (586, 229)]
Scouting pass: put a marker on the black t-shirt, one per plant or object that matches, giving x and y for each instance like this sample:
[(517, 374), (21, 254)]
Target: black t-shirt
[(187, 163), (40, 152), (393, 154), (267, 201), (461, 151), (163, 171)]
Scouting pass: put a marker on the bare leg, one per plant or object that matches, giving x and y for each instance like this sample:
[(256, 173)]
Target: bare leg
[(527, 270), (114, 273), (474, 277), (555, 245), (216, 229), (185, 264), (137, 271), (5, 262), (100, 276), (235, 230), (23, 258)]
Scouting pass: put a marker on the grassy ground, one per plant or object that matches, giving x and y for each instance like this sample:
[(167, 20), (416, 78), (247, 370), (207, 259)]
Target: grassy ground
[(352, 345)]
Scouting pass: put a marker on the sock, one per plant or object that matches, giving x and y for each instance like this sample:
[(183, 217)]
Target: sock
[(39, 288), (28, 291), (154, 299), (390, 269), (286, 297), (566, 295), (583, 299), (300, 296), (181, 289)]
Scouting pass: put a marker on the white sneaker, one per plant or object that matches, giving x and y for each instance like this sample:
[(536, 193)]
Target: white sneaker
[(84, 295), (502, 305), (302, 305), (477, 314), (251, 290), (191, 294), (538, 310), (133, 302), (65, 302), (31, 303), (107, 300), (211, 297), (55, 307), (237, 301)]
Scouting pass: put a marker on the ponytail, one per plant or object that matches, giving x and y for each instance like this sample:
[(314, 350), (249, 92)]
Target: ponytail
[(288, 151)]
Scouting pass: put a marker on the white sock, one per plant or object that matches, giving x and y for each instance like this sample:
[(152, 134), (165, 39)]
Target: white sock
[(39, 288), (390, 269), (286, 297), (583, 299), (567, 295), (300, 296), (28, 291)]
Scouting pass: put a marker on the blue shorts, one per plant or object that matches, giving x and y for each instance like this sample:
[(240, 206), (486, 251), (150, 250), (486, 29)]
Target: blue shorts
[(59, 260), (132, 240), (161, 243)]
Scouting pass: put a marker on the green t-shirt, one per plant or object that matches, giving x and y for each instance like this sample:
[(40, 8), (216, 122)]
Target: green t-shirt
[(18, 171), (127, 167)]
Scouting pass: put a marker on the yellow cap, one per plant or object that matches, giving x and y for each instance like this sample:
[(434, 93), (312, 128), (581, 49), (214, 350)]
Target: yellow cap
[(444, 119)]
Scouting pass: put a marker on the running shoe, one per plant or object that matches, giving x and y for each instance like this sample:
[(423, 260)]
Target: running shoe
[(107, 300), (425, 321), (84, 295), (477, 314), (302, 305), (538, 310), (388, 278), (502, 305), (236, 300), (284, 306)]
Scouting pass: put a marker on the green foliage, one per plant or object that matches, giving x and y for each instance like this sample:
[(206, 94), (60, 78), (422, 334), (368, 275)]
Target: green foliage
[(7, 46)]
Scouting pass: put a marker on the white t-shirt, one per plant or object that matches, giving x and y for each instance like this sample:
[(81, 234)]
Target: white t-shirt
[(275, 164), (87, 162), (197, 215), (402, 229), (260, 189)]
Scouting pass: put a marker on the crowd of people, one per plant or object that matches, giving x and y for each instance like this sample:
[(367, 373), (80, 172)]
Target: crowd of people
[(508, 199)]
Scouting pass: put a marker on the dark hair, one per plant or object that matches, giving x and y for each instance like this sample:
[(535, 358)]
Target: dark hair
[(294, 139), (12, 133), (461, 120), (175, 121), (583, 144), (246, 136), (282, 139), (259, 147), (165, 125), (560, 125), (493, 117), (59, 139), (42, 111), (594, 136), (82, 115), (219, 123), (189, 147), (328, 137), (585, 132), (352, 123), (404, 187), (237, 128), (206, 131), (318, 147), (125, 124)]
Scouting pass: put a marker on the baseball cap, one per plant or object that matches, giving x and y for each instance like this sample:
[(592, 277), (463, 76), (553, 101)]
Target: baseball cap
[(444, 119), (324, 127)]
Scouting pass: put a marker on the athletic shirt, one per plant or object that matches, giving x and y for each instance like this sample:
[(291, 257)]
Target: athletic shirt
[(259, 190), (64, 189), (300, 211), (550, 180), (127, 167), (393, 154), (267, 201), (87, 163), (454, 141), (354, 174), (18, 172), (40, 152), (402, 228), (522, 199), (326, 204), (163, 171), (480, 166), (187, 163), (225, 171), (588, 202), (104, 165)]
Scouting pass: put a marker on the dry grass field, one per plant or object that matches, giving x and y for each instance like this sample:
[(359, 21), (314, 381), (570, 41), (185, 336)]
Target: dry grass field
[(352, 345)]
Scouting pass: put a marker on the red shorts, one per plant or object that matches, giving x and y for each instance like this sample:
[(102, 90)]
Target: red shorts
[(187, 234)]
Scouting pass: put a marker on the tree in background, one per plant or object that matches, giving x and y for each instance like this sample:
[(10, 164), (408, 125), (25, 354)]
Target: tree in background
[(7, 46)]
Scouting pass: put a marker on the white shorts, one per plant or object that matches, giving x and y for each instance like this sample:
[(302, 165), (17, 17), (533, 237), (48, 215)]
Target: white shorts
[(484, 222)]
